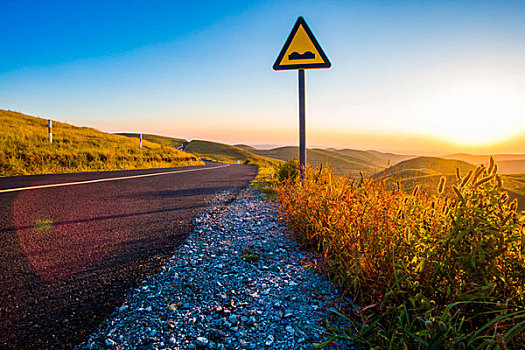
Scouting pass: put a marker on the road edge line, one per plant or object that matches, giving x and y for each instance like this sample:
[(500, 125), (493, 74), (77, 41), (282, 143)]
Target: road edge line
[(107, 179)]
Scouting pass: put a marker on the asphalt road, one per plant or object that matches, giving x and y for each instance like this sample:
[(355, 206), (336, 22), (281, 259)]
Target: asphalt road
[(69, 254)]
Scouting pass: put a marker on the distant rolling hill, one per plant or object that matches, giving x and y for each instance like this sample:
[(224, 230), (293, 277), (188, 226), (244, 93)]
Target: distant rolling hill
[(425, 166), (391, 157), (341, 163), (245, 147), (511, 166), (344, 161), (281, 153), (376, 158), (515, 185), (423, 171), (426, 172), (507, 163), (226, 153)]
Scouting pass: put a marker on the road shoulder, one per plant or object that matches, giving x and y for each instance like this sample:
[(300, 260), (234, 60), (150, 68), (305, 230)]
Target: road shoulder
[(238, 282)]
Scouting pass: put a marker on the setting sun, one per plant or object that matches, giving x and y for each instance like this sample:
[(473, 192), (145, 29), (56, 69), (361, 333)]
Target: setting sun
[(476, 114)]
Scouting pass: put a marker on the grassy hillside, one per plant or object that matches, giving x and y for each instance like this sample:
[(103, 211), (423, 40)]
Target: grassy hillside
[(515, 185), (379, 158), (227, 154), (428, 165), (426, 172), (362, 159), (280, 153), (392, 158), (483, 159), (162, 140), (507, 163), (24, 149), (511, 166), (245, 147)]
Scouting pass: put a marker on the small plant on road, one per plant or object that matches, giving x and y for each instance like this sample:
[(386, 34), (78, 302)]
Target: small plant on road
[(43, 224), (249, 255)]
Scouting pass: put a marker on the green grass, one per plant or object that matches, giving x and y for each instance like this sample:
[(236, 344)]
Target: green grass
[(25, 149)]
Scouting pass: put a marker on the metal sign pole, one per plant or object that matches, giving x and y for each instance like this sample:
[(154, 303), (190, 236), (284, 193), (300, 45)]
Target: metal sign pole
[(302, 127)]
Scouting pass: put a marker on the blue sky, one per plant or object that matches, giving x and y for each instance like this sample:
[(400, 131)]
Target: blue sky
[(427, 74)]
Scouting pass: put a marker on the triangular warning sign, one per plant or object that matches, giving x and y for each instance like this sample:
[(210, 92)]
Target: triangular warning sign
[(301, 50)]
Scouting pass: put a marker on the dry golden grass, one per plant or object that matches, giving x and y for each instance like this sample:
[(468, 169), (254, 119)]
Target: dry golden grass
[(25, 149), (429, 270)]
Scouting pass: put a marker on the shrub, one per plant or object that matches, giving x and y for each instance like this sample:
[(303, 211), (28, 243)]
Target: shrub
[(288, 171)]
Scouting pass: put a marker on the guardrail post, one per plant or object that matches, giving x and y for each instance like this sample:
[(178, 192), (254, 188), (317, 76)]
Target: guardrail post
[(49, 131)]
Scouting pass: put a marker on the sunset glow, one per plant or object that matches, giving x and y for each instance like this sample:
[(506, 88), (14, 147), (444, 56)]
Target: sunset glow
[(435, 77), (476, 114)]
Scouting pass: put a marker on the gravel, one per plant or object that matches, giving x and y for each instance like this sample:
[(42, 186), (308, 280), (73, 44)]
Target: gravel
[(238, 282)]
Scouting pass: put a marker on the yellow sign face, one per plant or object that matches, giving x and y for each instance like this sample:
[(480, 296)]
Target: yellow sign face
[(301, 50)]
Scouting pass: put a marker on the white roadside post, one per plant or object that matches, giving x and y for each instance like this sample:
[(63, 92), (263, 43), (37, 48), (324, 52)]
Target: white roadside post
[(49, 131), (140, 143)]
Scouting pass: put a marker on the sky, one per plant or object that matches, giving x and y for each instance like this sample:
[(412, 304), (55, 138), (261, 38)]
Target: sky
[(425, 77)]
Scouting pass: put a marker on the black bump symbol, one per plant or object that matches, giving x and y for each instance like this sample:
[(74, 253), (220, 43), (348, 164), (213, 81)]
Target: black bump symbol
[(305, 56)]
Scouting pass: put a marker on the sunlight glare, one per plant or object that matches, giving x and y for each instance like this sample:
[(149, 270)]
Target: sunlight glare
[(476, 114)]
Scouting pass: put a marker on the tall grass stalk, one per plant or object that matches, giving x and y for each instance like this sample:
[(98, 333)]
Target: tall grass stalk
[(432, 270)]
